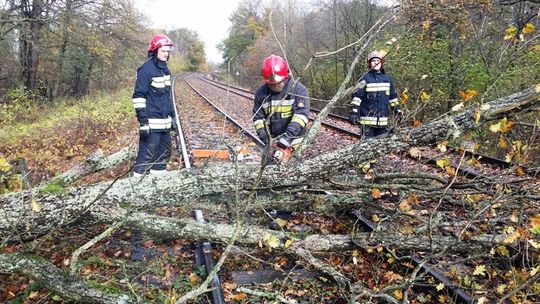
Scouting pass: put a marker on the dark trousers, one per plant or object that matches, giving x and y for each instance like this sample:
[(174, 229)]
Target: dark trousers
[(371, 131), (154, 152)]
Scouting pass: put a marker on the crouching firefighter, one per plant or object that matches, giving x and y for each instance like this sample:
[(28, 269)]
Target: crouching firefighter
[(371, 102), (153, 104), (280, 110)]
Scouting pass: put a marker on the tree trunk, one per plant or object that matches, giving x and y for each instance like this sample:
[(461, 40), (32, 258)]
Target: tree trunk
[(57, 280), (33, 53), (31, 213)]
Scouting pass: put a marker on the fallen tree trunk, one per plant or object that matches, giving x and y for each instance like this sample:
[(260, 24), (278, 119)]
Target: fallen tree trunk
[(57, 280), (94, 163), (31, 213), (186, 228)]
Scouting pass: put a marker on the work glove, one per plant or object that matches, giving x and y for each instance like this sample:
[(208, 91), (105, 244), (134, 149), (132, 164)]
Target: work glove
[(285, 141), (144, 131), (261, 133), (353, 118)]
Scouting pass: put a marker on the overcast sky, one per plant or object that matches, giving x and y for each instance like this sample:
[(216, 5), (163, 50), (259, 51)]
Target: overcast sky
[(209, 18)]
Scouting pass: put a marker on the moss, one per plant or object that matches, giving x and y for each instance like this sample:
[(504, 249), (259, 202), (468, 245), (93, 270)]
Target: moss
[(105, 287), (56, 187)]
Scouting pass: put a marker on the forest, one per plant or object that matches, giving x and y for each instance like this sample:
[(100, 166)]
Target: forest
[(467, 73)]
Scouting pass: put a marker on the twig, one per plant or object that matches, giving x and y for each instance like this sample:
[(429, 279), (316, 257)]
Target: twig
[(92, 242), (268, 295)]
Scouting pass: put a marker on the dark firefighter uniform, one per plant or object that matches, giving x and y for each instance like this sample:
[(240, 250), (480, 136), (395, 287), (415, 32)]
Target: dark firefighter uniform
[(372, 101), (287, 112), (152, 102)]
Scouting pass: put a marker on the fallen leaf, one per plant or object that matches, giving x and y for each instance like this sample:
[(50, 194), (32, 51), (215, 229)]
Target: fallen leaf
[(35, 206), (424, 96), (288, 243), (480, 270), (398, 294), (239, 297), (375, 193), (272, 241), (457, 107)]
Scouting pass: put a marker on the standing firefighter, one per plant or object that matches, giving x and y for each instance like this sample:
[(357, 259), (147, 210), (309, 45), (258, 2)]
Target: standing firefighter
[(281, 109), (153, 105), (370, 104)]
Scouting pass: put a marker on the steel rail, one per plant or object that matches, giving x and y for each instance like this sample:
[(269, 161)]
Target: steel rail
[(180, 132), (484, 159), (247, 133), (326, 124), (458, 293)]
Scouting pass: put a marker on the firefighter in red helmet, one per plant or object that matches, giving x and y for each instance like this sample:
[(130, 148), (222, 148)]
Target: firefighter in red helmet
[(153, 105), (371, 102), (280, 109)]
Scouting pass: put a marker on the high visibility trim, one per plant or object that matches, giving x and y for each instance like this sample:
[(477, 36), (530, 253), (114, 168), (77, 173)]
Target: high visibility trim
[(356, 101), (281, 109), (378, 87), (259, 123), (161, 82), (373, 121), (393, 102), (278, 102), (157, 172), (295, 143), (302, 120), (160, 123), (139, 103)]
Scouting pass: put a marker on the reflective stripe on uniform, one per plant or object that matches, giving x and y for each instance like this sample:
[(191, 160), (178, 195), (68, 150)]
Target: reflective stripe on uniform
[(378, 87), (356, 101), (259, 124), (161, 82), (157, 172), (167, 79), (160, 123), (373, 121), (279, 109), (393, 102), (302, 120), (295, 143), (139, 103)]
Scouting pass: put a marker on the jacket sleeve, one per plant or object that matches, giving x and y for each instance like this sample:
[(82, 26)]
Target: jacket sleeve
[(259, 116), (393, 97), (301, 107), (357, 98), (142, 85)]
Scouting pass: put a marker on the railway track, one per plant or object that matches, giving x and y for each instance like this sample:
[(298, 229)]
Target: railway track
[(487, 164), (237, 102)]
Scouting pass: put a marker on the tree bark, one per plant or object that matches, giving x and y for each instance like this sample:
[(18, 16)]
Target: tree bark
[(57, 280), (34, 213)]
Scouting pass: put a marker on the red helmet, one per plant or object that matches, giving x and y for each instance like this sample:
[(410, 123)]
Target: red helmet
[(274, 69), (375, 54), (159, 41)]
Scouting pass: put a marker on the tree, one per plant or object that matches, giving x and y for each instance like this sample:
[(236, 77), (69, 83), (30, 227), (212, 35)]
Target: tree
[(189, 47)]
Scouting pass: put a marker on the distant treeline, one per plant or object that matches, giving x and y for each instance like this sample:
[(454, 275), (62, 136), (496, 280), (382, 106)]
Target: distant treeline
[(77, 47)]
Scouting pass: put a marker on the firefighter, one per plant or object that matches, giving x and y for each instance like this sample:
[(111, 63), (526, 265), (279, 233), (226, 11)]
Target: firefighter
[(371, 102), (153, 106), (281, 109)]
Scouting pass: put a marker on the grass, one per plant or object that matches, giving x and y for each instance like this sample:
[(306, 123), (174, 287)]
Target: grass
[(103, 108), (53, 137)]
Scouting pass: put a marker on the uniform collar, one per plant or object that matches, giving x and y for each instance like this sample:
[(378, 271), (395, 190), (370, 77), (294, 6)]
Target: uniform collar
[(160, 64)]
